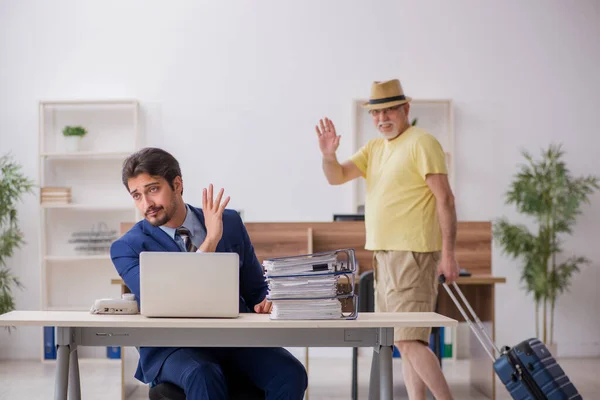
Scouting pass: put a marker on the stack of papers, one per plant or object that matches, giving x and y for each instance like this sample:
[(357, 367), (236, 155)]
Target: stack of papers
[(307, 286), (307, 309), (303, 287), (300, 265)]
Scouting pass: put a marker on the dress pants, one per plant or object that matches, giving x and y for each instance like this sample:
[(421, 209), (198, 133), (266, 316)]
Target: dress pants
[(203, 372)]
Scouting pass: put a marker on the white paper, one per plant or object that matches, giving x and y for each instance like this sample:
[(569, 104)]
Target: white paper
[(300, 265), (306, 309)]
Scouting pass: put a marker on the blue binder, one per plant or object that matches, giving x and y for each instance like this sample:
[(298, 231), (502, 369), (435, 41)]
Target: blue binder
[(49, 343), (113, 352)]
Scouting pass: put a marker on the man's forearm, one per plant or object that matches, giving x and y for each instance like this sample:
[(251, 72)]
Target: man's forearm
[(333, 170), (448, 225), (208, 246)]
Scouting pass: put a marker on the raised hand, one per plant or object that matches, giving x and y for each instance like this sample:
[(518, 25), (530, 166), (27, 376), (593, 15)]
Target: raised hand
[(213, 214), (328, 140)]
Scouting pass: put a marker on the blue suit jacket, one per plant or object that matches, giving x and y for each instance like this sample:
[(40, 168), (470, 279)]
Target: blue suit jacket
[(125, 254)]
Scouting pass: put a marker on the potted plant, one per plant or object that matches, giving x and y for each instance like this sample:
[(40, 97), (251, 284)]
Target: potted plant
[(13, 184), (73, 135), (545, 190)]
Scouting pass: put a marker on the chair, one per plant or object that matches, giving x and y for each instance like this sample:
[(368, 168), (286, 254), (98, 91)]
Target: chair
[(366, 303), (166, 391)]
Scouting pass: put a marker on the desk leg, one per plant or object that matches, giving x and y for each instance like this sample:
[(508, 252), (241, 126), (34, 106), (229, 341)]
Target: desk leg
[(374, 378), (62, 372), (386, 373), (355, 373), (74, 382), (67, 365), (381, 381)]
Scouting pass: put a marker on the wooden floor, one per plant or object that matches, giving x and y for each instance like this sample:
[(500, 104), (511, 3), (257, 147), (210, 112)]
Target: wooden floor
[(100, 379)]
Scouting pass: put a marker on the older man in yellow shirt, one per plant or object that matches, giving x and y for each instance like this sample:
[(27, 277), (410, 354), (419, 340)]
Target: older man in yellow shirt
[(410, 222)]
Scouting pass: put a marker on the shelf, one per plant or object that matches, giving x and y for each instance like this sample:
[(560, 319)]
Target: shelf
[(71, 279), (86, 154), (108, 207), (78, 258), (129, 102)]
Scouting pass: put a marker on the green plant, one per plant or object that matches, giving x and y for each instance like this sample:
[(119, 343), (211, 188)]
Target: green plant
[(545, 190), (13, 184), (74, 131)]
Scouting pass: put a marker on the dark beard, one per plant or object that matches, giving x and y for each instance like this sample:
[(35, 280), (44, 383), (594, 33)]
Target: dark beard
[(161, 221), (168, 215)]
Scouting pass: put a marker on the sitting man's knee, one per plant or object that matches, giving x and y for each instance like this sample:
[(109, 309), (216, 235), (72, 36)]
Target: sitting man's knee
[(301, 377), (292, 379), (207, 374), (296, 374)]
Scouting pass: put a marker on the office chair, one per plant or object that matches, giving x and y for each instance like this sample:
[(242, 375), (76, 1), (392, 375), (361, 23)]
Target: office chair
[(166, 391), (240, 389), (366, 303)]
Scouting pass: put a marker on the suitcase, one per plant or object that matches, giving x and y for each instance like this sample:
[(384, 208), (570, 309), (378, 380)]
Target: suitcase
[(527, 370)]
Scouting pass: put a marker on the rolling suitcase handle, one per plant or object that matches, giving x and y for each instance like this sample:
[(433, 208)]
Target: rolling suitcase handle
[(442, 279)]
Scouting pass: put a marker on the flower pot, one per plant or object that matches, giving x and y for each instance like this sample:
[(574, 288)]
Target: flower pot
[(72, 143)]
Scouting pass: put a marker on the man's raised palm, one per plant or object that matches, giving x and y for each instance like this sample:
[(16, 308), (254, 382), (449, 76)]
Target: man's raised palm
[(213, 213), (328, 140)]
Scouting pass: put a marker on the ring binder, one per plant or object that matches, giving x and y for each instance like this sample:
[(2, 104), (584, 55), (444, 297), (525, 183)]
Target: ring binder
[(313, 286)]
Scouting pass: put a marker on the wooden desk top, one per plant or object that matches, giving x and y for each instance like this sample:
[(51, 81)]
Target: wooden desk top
[(462, 280), (480, 280), (261, 321)]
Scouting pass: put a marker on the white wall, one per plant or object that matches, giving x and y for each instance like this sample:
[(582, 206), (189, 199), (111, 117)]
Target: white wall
[(234, 90)]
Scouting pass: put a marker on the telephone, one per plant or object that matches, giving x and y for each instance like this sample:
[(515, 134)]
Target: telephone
[(125, 305)]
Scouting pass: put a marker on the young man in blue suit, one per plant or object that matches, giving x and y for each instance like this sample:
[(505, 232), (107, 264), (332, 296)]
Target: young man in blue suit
[(153, 178)]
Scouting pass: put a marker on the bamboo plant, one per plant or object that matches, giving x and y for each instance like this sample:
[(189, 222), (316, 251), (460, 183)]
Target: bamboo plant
[(545, 190), (13, 184)]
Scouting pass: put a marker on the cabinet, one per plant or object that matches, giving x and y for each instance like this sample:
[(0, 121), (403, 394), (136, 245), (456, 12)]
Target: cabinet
[(82, 201)]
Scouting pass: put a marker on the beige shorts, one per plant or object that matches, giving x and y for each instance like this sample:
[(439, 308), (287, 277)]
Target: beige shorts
[(406, 281)]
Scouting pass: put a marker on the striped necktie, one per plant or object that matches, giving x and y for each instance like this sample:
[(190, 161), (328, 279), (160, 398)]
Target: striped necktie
[(187, 240)]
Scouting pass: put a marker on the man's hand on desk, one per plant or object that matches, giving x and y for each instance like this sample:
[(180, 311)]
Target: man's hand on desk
[(213, 218), (264, 307)]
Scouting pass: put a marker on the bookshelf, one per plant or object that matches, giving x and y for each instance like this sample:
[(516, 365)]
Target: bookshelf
[(82, 202)]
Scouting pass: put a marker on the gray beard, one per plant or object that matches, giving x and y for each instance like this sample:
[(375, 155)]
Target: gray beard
[(388, 135)]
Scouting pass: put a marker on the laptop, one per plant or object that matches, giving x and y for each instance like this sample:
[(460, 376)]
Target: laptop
[(197, 285)]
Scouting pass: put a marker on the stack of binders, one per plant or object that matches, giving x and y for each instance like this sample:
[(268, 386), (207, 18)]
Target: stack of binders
[(313, 286)]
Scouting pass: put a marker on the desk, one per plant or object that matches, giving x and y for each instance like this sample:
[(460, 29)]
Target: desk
[(479, 291), (80, 328), (473, 252)]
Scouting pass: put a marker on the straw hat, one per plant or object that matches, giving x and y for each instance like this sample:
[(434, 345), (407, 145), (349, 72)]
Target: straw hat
[(386, 94)]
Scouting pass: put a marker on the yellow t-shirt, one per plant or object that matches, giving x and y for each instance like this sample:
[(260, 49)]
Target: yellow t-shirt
[(400, 209)]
